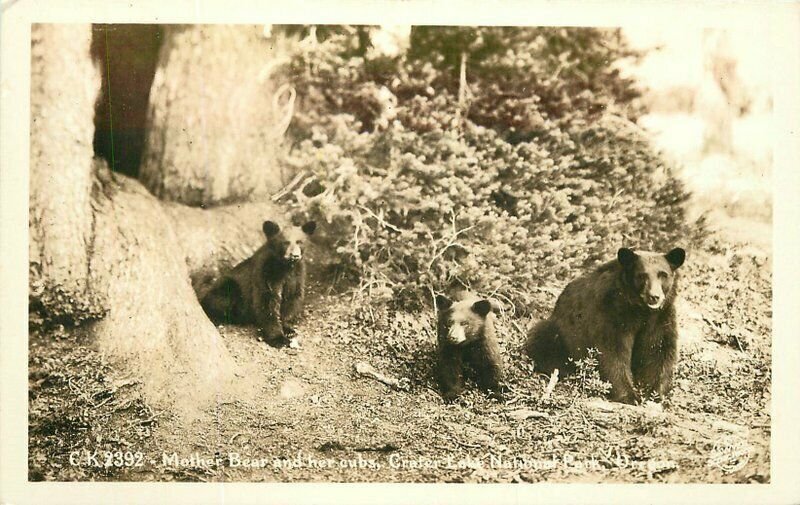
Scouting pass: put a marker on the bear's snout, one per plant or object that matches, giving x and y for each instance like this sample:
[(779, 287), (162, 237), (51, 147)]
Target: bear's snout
[(457, 335), (654, 301), (294, 254)]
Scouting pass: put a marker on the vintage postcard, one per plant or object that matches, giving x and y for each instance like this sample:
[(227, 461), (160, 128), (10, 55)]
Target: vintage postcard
[(527, 251)]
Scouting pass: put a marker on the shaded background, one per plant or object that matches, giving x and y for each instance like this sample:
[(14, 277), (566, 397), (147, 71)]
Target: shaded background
[(710, 108)]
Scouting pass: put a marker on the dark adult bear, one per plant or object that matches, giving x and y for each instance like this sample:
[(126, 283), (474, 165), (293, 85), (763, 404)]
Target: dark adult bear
[(466, 338), (625, 309), (267, 288)]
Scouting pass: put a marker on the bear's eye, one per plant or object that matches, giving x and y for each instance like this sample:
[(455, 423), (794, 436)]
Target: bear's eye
[(662, 275)]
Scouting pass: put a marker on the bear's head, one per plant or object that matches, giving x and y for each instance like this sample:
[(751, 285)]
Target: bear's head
[(467, 319), (650, 276), (287, 244)]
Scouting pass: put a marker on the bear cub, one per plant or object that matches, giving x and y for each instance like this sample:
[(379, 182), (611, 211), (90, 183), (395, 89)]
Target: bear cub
[(625, 309), (267, 288), (466, 339)]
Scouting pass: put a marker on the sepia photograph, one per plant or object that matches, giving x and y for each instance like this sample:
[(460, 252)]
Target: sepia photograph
[(399, 253)]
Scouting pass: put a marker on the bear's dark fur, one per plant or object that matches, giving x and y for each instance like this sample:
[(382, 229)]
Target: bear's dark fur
[(267, 288), (466, 338), (625, 309)]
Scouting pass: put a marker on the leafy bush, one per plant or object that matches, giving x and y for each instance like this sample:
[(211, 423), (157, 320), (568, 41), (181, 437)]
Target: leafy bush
[(535, 172), (587, 375)]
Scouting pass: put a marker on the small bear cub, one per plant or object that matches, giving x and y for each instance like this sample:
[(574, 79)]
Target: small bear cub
[(466, 338), (267, 288), (625, 309)]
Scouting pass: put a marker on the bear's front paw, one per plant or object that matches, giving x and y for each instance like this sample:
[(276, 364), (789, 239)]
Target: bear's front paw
[(289, 332), (498, 393), (450, 395), (274, 337), (631, 398)]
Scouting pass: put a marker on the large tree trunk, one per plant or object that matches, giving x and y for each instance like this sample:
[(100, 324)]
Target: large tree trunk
[(720, 94), (145, 257), (216, 116), (64, 84), (104, 248)]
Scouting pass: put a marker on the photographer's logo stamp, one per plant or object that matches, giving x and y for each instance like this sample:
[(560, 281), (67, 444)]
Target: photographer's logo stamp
[(730, 453)]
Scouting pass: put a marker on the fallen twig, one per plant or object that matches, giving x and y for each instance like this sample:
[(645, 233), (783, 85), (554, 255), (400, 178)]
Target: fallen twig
[(551, 385), (365, 369), (381, 448), (464, 444)]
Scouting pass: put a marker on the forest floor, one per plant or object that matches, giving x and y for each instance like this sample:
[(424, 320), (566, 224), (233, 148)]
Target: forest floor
[(317, 418)]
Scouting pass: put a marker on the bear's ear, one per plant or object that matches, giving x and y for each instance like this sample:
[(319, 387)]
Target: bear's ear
[(442, 302), (270, 228), (497, 306), (626, 256), (309, 227), (482, 307), (676, 257)]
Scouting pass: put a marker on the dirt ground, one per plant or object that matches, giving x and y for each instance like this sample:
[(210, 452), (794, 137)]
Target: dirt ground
[(317, 418)]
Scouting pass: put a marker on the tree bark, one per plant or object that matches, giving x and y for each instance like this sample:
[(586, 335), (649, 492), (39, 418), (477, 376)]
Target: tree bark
[(216, 117), (105, 249), (215, 240), (145, 257), (64, 85)]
